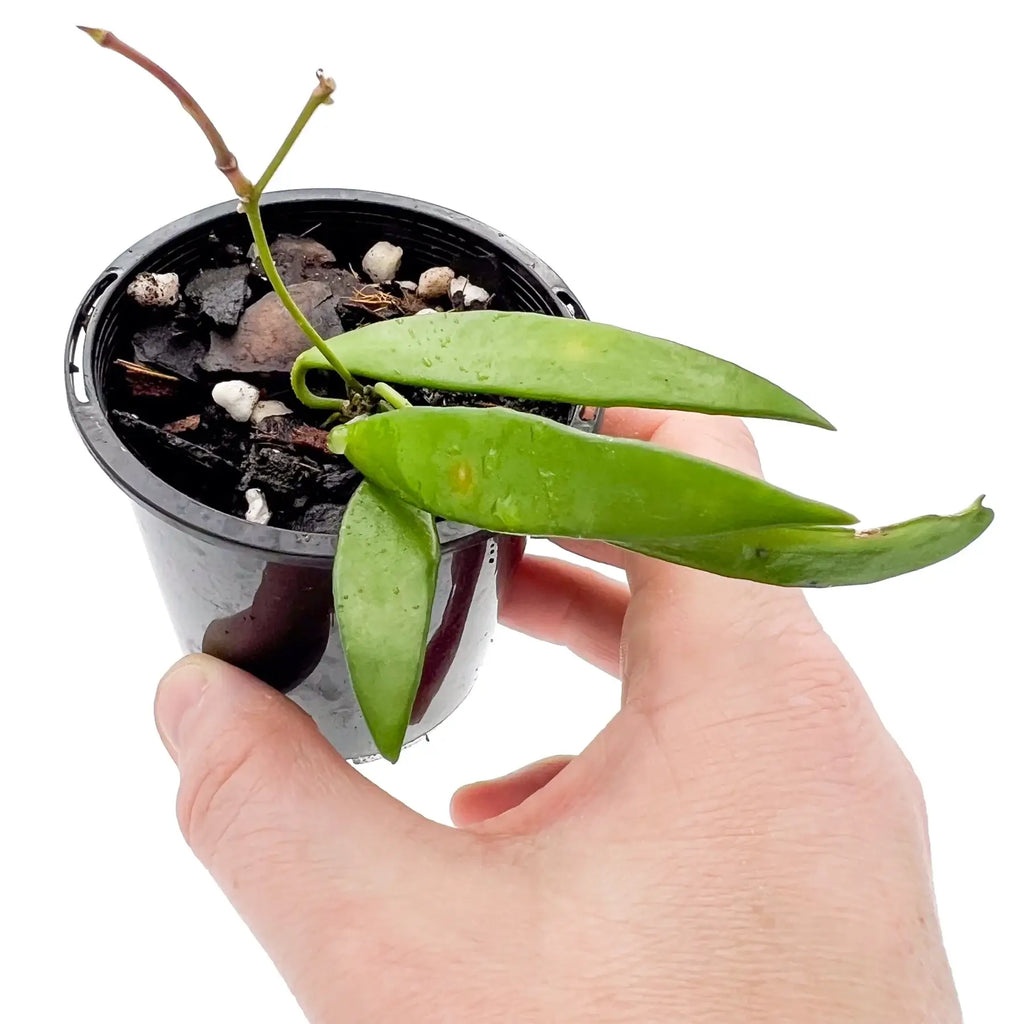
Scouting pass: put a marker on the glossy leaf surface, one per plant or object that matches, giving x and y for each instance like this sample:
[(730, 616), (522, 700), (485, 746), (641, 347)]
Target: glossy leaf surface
[(825, 556), (528, 355), (515, 473), (385, 574)]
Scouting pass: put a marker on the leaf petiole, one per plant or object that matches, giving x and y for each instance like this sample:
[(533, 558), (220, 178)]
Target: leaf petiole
[(391, 396)]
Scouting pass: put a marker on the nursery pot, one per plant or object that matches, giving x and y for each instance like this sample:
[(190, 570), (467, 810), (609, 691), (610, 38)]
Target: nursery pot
[(261, 597)]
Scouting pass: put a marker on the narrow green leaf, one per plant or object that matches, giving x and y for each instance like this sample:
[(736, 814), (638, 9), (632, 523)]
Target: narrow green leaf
[(527, 355), (515, 473), (385, 573), (825, 556)]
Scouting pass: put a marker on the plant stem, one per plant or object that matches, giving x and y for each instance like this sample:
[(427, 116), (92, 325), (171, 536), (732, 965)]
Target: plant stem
[(252, 212), (391, 396), (248, 193), (251, 204), (320, 95), (226, 161)]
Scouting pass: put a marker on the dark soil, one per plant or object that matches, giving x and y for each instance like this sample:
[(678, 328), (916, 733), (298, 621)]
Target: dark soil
[(227, 325)]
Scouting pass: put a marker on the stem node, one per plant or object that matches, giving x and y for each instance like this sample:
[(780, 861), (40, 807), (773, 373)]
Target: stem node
[(248, 193)]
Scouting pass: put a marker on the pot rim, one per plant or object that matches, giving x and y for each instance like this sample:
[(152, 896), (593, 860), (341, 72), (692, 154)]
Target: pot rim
[(172, 505)]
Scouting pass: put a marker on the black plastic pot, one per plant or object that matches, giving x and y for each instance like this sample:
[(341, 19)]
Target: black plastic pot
[(260, 597)]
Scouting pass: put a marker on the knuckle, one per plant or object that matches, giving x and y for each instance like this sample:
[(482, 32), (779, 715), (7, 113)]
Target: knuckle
[(912, 787), (738, 445), (826, 693), (216, 791), (833, 754), (908, 789), (836, 737), (830, 726)]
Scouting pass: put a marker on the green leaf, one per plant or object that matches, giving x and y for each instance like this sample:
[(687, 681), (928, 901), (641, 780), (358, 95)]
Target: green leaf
[(825, 556), (385, 574), (515, 473), (527, 355)]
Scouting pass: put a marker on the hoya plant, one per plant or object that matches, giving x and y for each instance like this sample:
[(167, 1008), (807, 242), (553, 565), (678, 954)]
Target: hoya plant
[(516, 473)]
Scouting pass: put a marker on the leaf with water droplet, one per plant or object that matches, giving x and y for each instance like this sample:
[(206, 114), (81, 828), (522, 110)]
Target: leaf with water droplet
[(428, 456), (528, 355), (385, 574)]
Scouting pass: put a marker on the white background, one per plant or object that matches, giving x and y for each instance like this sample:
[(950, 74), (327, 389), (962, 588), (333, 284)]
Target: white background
[(828, 193)]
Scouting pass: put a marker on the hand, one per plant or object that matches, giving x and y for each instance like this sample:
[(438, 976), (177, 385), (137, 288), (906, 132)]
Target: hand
[(743, 842)]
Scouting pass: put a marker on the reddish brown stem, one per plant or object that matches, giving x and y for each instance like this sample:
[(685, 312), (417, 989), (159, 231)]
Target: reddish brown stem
[(226, 161)]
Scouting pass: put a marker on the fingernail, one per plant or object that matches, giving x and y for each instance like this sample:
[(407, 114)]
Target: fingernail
[(177, 696)]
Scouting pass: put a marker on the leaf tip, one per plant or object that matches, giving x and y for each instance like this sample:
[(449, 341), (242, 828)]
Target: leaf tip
[(842, 518), (390, 748), (982, 511), (98, 35), (813, 418)]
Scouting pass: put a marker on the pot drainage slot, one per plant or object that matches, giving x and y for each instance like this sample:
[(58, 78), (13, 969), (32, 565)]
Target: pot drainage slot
[(76, 336), (75, 375), (570, 302)]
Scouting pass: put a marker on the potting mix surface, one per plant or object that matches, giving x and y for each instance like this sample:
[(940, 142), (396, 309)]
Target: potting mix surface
[(225, 323)]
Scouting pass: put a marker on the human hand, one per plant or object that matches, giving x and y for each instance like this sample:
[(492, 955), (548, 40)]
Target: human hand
[(743, 842)]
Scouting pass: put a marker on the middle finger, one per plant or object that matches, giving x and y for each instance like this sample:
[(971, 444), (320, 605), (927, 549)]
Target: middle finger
[(569, 605)]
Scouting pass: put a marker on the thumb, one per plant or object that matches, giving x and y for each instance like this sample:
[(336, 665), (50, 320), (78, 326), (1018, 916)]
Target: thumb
[(297, 839)]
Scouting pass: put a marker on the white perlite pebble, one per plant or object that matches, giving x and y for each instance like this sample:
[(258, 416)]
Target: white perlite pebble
[(258, 510), (407, 286), (434, 282), (456, 286), (474, 297), (264, 410), (420, 312), (155, 289), (237, 397), (381, 263)]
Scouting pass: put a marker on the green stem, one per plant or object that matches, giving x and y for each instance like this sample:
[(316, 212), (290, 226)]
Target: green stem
[(321, 94), (252, 212), (308, 399), (391, 396)]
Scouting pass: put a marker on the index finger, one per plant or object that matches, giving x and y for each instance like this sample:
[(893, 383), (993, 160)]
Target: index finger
[(680, 616), (638, 425), (728, 445)]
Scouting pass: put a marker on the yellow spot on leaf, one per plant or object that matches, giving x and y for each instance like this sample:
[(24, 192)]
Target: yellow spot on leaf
[(462, 477), (574, 349)]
